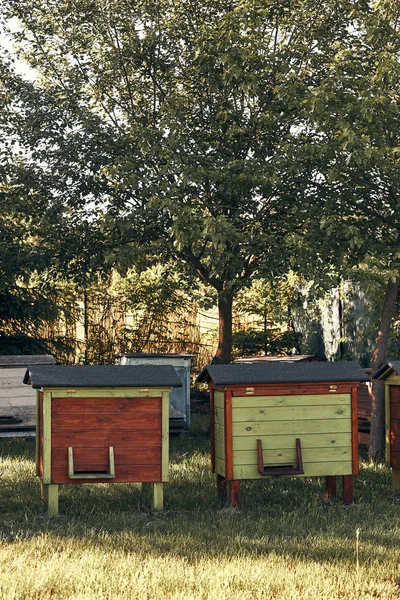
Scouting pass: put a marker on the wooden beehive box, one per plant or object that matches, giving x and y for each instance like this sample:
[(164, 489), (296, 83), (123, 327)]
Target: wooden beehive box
[(281, 419), (390, 374), (101, 424)]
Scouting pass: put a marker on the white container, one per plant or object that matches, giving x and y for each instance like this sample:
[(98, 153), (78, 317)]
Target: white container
[(179, 397)]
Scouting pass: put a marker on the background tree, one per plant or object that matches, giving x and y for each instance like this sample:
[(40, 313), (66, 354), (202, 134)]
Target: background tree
[(205, 108)]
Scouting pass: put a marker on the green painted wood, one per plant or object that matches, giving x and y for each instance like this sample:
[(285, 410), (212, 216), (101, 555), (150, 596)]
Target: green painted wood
[(158, 496), (220, 450), (220, 467), (165, 436), (219, 433), (300, 427), (320, 469), (300, 400), (219, 418), (108, 392), (218, 399), (293, 413), (312, 440), (46, 438), (288, 456), (387, 425)]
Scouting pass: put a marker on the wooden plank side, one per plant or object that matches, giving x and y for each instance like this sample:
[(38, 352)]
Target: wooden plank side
[(87, 459), (331, 388), (123, 474), (228, 435), (108, 392), (395, 445), (388, 428), (94, 422), (395, 394), (312, 440), (395, 460), (218, 399), (47, 419), (165, 436), (103, 405), (220, 467), (219, 433), (294, 413), (212, 432), (320, 469), (219, 417), (128, 439), (288, 456), (299, 427), (354, 429), (295, 400), (220, 450)]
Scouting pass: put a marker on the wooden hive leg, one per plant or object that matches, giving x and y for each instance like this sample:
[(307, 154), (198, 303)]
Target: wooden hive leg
[(330, 487), (50, 495), (348, 493), (396, 480), (221, 487), (234, 492), (158, 496)]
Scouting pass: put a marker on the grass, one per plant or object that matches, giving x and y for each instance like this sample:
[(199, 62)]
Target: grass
[(285, 543)]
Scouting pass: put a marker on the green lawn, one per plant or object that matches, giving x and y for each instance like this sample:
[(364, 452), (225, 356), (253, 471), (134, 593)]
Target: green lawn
[(284, 543)]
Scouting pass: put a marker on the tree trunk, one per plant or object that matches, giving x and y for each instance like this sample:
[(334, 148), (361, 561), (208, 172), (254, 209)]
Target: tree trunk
[(377, 438), (224, 350)]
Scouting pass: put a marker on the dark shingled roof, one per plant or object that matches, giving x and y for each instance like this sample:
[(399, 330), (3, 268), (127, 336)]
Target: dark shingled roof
[(60, 376), (278, 372), (23, 360), (387, 369)]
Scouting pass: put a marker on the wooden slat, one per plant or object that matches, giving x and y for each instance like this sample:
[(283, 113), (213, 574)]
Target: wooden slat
[(108, 392), (295, 400), (93, 422), (46, 437), (292, 427), (129, 439), (86, 458), (395, 445), (220, 450), (165, 436), (219, 416), (394, 427), (294, 413), (320, 469), (395, 410), (288, 456), (212, 432), (218, 399), (124, 474), (388, 429), (220, 466), (395, 460), (284, 389), (313, 440), (395, 394), (104, 405), (219, 433)]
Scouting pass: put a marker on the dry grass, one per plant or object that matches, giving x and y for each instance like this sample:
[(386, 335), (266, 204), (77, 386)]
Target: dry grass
[(286, 543)]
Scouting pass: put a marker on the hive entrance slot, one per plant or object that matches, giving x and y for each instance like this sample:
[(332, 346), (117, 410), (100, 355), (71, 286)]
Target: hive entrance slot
[(279, 470), (93, 474)]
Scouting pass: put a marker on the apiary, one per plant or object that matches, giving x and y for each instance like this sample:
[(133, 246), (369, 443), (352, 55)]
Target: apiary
[(284, 420), (101, 424)]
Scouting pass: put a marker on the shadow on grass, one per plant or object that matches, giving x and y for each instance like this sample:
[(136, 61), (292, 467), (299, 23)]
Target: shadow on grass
[(283, 516)]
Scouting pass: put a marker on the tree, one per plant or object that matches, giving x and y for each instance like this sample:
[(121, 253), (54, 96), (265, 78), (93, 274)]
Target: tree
[(205, 108), (357, 111)]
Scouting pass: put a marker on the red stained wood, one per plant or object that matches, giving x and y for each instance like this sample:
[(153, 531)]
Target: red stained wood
[(212, 440), (105, 405), (234, 492), (395, 460), (94, 422), (40, 458), (291, 390), (131, 439), (395, 410), (395, 427), (87, 459), (348, 492), (123, 474), (354, 430), (395, 444), (228, 436), (395, 394), (330, 487)]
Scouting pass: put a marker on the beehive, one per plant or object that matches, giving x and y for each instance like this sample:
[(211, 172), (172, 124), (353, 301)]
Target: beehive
[(101, 424), (390, 374), (281, 419)]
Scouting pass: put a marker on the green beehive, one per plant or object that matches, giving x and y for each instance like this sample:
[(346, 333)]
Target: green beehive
[(280, 419)]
